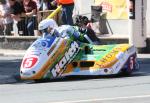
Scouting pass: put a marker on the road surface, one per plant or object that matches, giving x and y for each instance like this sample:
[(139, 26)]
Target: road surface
[(132, 89)]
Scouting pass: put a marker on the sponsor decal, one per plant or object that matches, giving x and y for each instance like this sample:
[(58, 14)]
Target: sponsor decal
[(26, 73), (51, 49), (111, 57), (105, 70), (117, 65), (34, 52), (65, 42), (121, 63), (29, 62), (67, 58), (76, 69), (106, 6), (120, 55), (107, 59), (41, 44), (54, 46), (115, 9), (45, 43)]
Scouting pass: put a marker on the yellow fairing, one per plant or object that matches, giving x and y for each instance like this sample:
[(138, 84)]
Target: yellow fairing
[(110, 59), (107, 61)]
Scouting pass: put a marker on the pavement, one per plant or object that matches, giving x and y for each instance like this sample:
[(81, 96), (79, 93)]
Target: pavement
[(11, 52)]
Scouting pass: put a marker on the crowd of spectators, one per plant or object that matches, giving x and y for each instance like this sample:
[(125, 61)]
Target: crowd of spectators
[(22, 14)]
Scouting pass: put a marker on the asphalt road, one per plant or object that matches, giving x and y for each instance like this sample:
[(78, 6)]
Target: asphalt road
[(116, 89)]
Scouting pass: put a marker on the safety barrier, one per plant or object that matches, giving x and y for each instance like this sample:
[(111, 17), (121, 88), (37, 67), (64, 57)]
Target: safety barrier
[(20, 28)]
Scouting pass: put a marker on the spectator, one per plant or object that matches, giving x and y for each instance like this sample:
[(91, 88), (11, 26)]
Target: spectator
[(67, 10), (1, 23), (1, 26), (30, 8), (16, 13), (45, 5), (50, 5), (7, 20), (38, 3)]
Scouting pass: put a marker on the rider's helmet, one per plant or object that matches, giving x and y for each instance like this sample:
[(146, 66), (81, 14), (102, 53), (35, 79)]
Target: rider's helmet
[(47, 26)]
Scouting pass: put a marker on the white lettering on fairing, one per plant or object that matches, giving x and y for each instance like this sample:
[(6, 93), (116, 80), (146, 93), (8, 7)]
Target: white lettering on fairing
[(69, 55)]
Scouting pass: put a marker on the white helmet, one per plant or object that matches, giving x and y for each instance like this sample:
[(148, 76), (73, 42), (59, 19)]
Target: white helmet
[(47, 23)]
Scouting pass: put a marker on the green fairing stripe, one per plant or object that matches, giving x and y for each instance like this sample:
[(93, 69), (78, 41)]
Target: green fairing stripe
[(49, 74), (102, 50), (98, 52), (80, 53)]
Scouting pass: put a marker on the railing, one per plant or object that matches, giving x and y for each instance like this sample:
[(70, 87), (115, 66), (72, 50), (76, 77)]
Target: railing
[(19, 28)]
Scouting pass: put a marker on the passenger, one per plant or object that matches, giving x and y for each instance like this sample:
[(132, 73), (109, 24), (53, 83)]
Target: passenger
[(85, 27)]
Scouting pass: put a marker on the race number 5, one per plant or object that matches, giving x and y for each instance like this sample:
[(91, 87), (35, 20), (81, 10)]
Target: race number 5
[(29, 62)]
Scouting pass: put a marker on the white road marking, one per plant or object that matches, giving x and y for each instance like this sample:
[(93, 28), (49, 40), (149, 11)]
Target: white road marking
[(105, 99)]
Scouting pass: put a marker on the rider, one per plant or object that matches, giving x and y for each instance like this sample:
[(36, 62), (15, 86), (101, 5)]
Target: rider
[(49, 26)]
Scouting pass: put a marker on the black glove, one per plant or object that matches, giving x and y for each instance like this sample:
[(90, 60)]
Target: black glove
[(83, 30)]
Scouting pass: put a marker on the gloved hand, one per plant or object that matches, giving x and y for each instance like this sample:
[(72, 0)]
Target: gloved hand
[(83, 30)]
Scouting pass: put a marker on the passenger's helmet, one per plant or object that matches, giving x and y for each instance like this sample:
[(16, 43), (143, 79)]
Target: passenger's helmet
[(47, 26)]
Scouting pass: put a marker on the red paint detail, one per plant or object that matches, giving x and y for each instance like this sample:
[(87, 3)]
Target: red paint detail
[(29, 62), (106, 6)]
